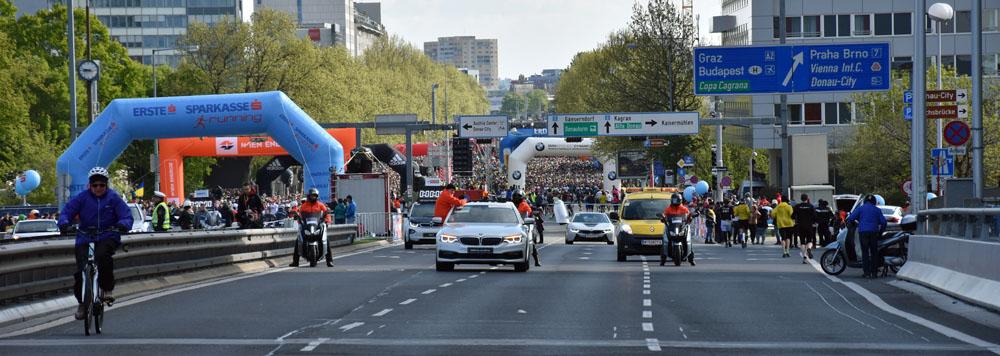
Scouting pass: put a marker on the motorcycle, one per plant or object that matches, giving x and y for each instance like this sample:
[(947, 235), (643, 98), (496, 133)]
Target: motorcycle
[(892, 247), (677, 236), (314, 242)]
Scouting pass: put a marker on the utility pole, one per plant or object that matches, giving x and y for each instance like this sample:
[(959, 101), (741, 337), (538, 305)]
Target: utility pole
[(918, 136), (786, 147), (71, 30), (977, 99)]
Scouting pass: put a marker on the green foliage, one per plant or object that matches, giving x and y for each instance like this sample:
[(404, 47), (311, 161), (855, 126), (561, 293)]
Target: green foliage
[(513, 104), (877, 159)]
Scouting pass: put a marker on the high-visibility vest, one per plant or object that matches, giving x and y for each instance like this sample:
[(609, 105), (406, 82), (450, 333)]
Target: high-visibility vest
[(166, 215)]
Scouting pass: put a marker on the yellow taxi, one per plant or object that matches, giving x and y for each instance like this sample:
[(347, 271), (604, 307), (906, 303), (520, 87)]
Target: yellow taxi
[(639, 231)]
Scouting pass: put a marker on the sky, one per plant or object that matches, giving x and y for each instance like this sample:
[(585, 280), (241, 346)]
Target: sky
[(532, 34)]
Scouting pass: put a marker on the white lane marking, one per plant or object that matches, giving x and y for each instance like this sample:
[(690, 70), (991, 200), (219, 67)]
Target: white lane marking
[(521, 311), (614, 332), (383, 312), (647, 314), (653, 344), (645, 286), (460, 280), (881, 304), (446, 285), (864, 312), (584, 258), (646, 292), (647, 302), (370, 332), (646, 273), (494, 267), (429, 291), (588, 253), (821, 297), (145, 298), (393, 256), (350, 326), (647, 326), (681, 328), (483, 272), (408, 301), (473, 276), (313, 345)]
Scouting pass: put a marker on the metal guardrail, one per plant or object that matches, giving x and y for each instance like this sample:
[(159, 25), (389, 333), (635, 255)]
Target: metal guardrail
[(965, 223), (47, 266)]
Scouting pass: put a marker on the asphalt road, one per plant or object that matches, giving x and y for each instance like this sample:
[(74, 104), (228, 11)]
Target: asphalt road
[(581, 301)]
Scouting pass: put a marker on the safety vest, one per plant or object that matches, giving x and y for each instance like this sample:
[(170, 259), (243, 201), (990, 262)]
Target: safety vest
[(166, 214)]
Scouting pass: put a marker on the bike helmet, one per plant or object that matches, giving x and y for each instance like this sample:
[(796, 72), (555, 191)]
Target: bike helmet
[(98, 172), (313, 191)]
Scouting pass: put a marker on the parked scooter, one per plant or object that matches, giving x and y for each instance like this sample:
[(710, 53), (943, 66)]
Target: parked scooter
[(677, 240), (892, 247), (314, 242)]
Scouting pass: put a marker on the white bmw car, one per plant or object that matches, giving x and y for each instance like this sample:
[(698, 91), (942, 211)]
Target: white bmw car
[(590, 227)]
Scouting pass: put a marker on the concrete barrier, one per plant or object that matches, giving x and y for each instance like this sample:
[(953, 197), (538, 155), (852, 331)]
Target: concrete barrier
[(955, 252), (47, 266)]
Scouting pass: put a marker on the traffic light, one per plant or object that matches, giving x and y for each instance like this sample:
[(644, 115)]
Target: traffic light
[(461, 158), (714, 158)]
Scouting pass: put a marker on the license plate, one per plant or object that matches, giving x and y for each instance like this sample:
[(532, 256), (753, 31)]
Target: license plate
[(429, 234), (480, 250), (652, 242)]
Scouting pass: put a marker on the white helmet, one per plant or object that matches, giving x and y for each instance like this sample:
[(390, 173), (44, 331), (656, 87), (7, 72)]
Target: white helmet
[(98, 171)]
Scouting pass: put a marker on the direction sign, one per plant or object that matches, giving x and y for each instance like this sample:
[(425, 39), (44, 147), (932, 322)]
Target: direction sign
[(957, 133), (483, 126), (791, 69), (688, 161), (653, 143), (623, 124), (942, 163), (720, 169), (957, 151), (396, 118), (960, 96), (947, 112)]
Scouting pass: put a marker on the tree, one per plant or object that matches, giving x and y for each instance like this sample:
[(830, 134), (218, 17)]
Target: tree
[(513, 104), (537, 102)]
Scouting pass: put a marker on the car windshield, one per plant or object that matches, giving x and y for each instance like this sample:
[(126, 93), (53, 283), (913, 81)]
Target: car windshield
[(887, 210), (422, 211), (136, 215), (591, 218), (645, 209), (482, 214), (37, 226)]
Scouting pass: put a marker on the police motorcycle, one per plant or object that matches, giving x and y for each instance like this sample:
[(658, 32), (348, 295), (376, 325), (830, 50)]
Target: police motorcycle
[(677, 240), (314, 241), (892, 247)]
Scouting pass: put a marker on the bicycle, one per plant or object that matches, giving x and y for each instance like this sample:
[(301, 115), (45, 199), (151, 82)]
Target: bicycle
[(94, 301)]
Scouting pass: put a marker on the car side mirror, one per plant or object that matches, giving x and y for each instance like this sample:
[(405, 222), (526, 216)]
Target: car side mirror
[(437, 221), (613, 216), (529, 221)]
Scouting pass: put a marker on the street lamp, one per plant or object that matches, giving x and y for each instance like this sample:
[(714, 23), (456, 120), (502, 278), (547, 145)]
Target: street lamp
[(753, 157), (156, 142), (940, 13)]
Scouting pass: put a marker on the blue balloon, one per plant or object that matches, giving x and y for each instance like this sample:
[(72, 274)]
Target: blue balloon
[(689, 193), (931, 196), (701, 187), (879, 200), (32, 180)]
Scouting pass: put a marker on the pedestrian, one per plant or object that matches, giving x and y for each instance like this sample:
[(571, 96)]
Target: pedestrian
[(5, 222), (725, 214), (783, 222), (804, 214), (161, 213), (824, 220), (742, 215), (339, 212), (351, 211), (754, 217), (710, 224), (871, 223), (185, 218), (762, 213)]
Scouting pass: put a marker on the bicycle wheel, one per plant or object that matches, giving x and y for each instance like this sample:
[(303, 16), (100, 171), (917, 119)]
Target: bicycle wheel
[(88, 299)]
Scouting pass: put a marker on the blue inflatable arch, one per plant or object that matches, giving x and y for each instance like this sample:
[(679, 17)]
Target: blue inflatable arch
[(273, 113)]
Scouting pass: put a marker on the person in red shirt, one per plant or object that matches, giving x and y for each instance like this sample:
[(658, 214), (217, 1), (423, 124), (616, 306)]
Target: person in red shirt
[(447, 201), (311, 207), (677, 209), (524, 209)]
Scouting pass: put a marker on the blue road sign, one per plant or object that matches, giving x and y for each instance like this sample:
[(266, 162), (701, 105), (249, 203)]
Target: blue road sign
[(908, 113), (658, 168), (791, 69), (947, 162), (681, 172), (908, 97), (688, 161)]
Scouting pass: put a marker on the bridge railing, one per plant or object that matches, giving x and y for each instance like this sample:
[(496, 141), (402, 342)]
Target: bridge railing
[(964, 223), (40, 267)]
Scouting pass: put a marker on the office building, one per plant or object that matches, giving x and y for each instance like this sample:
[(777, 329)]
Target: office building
[(748, 22), (334, 22), (468, 52), (547, 81)]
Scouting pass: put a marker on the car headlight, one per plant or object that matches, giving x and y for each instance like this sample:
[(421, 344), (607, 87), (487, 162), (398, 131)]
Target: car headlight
[(448, 238), (513, 239), (608, 231), (626, 228), (414, 225), (574, 230)]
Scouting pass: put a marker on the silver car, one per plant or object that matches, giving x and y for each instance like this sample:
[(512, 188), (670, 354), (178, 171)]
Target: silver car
[(28, 229), (485, 233), (419, 225), (590, 227)]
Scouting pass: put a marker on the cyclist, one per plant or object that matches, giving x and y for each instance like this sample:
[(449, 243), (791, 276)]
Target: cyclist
[(525, 210), (99, 207), (311, 206)]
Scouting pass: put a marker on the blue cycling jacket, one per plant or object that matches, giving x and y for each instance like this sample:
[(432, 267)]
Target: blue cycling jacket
[(101, 213), (869, 218)]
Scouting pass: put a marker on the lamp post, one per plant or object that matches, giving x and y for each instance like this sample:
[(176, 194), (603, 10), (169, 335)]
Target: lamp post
[(156, 142), (753, 157), (940, 13)]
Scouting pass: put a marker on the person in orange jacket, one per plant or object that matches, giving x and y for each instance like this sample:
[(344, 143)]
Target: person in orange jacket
[(447, 201), (312, 206), (524, 209)]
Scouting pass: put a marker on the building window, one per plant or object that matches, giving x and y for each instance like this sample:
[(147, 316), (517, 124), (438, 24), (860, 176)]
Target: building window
[(845, 114), (902, 63), (901, 23), (947, 26), (963, 21), (794, 113), (814, 113), (883, 24), (990, 64), (810, 26), (862, 25), (990, 20), (963, 64), (830, 26), (830, 115), (793, 26), (843, 25)]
